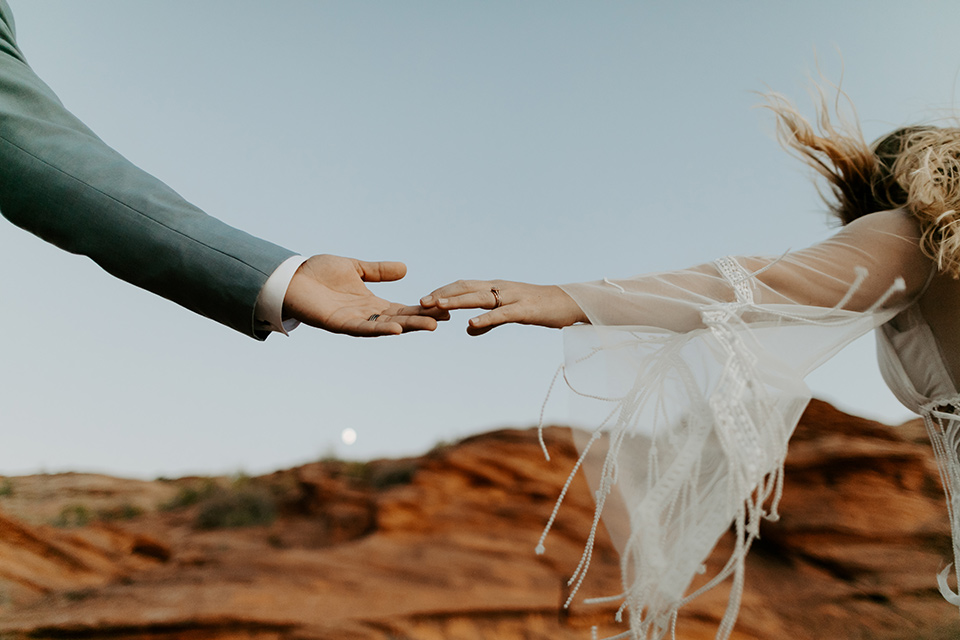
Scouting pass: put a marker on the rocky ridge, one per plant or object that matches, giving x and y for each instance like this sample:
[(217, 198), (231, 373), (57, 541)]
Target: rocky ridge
[(441, 547)]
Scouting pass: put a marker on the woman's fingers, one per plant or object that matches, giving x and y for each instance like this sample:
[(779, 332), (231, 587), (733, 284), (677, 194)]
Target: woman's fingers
[(489, 320), (476, 300), (478, 292), (473, 331)]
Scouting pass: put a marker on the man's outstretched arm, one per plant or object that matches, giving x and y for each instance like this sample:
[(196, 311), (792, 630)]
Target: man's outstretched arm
[(59, 181)]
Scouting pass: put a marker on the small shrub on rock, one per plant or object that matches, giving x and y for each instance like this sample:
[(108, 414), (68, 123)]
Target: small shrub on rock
[(73, 515), (190, 495), (125, 511), (247, 506)]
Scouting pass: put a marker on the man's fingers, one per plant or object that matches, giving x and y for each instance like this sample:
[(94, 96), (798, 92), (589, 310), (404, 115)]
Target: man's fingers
[(382, 324), (416, 323), (436, 314), (381, 271), (433, 312), (369, 328)]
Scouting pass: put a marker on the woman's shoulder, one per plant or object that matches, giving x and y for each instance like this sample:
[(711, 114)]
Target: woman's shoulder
[(890, 238), (899, 222)]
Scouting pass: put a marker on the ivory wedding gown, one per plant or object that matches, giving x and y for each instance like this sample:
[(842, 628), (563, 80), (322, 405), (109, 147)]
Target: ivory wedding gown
[(694, 382)]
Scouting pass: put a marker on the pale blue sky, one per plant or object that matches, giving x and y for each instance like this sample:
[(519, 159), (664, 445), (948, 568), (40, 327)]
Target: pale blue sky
[(541, 141)]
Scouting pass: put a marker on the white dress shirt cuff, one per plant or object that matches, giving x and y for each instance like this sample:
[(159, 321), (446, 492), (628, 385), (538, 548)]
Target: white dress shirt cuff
[(269, 310)]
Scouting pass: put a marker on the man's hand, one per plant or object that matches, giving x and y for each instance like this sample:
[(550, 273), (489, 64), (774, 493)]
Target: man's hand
[(328, 292)]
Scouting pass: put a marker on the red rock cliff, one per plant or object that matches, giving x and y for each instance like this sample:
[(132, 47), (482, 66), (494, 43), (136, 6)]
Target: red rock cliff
[(442, 547)]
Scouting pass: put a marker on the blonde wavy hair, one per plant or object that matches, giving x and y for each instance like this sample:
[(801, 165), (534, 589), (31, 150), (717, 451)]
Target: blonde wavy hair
[(916, 168)]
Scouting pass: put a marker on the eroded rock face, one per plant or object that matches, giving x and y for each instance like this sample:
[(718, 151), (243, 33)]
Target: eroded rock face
[(442, 547)]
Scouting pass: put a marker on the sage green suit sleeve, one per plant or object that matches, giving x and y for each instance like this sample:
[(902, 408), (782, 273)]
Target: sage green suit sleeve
[(59, 181)]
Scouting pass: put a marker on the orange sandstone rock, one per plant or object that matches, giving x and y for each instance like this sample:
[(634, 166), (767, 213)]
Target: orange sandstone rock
[(442, 547)]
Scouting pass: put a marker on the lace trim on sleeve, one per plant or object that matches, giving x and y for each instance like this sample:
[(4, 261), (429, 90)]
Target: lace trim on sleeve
[(738, 277)]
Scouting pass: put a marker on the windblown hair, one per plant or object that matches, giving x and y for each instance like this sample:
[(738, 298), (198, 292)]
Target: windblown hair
[(916, 168)]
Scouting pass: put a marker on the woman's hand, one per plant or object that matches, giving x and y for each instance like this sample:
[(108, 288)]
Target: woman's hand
[(544, 305)]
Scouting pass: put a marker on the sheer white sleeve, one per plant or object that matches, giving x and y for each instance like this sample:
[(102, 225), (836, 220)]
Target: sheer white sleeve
[(690, 384)]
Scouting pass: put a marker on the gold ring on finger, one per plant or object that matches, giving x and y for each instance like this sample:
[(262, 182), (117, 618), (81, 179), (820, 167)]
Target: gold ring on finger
[(496, 297)]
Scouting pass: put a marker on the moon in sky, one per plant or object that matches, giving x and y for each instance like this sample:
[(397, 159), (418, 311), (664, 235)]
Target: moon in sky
[(348, 435)]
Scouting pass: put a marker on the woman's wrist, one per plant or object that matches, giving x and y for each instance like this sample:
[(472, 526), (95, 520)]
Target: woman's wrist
[(567, 310)]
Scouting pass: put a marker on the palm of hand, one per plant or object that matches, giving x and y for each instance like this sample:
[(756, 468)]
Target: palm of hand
[(329, 292)]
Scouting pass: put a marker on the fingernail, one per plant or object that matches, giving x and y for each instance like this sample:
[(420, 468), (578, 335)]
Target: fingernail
[(442, 301), (426, 300), (473, 321)]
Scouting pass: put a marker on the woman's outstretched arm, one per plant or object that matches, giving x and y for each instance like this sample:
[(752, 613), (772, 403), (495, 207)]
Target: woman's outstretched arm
[(855, 268)]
